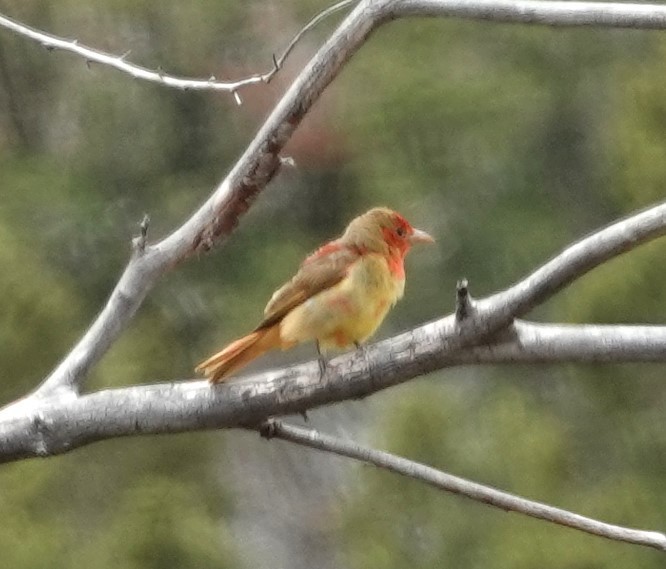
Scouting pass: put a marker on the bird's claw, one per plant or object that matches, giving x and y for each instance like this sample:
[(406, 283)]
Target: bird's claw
[(362, 350)]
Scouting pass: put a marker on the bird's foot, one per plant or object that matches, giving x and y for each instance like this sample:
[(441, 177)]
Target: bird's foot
[(361, 349)]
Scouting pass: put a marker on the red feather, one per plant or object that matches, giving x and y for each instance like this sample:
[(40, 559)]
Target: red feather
[(323, 251)]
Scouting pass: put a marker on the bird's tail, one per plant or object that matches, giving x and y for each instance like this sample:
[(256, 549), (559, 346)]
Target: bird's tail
[(239, 353)]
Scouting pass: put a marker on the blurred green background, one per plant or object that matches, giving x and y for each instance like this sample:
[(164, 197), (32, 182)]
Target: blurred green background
[(505, 142)]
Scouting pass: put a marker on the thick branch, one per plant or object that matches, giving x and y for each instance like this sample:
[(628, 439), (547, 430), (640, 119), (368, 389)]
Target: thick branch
[(532, 343), (443, 481), (35, 427), (603, 14), (489, 328)]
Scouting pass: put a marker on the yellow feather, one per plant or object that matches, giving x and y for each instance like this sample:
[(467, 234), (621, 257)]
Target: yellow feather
[(348, 312), (339, 296)]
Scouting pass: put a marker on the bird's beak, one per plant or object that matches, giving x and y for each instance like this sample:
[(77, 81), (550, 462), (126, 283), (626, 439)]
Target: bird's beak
[(420, 237)]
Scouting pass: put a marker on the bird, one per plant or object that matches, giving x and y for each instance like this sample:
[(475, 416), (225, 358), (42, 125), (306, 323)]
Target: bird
[(338, 298)]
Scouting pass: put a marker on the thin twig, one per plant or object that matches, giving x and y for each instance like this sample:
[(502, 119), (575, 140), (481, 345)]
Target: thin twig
[(92, 55), (139, 242), (279, 62), (456, 485)]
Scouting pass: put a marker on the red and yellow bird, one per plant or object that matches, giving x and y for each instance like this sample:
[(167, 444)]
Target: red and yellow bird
[(339, 296)]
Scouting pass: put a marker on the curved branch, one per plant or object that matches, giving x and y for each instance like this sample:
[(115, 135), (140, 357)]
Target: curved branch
[(490, 315), (456, 485), (580, 258)]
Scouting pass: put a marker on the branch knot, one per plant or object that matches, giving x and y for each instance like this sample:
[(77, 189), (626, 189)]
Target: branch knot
[(139, 243), (268, 429), (464, 302)]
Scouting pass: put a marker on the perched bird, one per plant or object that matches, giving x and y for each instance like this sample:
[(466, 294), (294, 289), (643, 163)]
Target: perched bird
[(339, 296)]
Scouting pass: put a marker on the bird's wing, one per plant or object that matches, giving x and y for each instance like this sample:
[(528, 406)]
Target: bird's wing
[(323, 269)]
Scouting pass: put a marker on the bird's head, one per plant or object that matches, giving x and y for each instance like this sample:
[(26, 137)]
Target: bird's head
[(382, 230)]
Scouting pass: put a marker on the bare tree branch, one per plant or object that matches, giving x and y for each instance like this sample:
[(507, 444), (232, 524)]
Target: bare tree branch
[(36, 427), (441, 480), (425, 349), (55, 419), (120, 62), (606, 14), (39, 426), (639, 16), (532, 343), (498, 311), (578, 259)]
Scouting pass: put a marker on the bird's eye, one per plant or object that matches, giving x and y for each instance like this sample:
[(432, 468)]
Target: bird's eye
[(401, 231)]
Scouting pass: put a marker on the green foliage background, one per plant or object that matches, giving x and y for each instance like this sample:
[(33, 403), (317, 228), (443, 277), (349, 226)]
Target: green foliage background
[(506, 142)]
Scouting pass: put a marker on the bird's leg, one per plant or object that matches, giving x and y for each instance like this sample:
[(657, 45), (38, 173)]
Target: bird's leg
[(362, 349), (323, 363)]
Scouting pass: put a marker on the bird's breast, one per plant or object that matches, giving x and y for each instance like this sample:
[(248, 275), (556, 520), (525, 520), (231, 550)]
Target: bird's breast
[(372, 281), (349, 311)]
